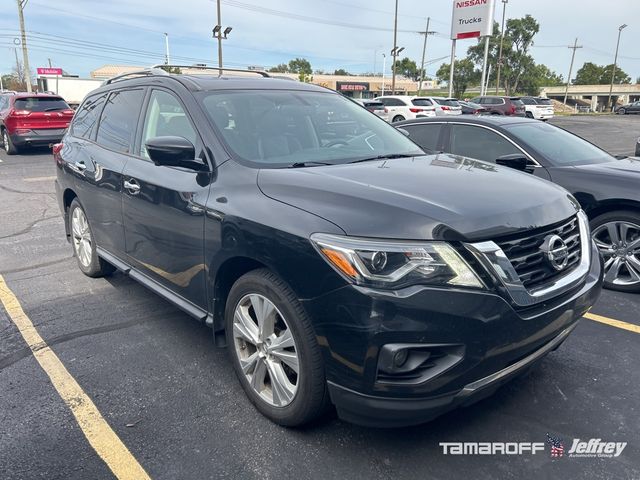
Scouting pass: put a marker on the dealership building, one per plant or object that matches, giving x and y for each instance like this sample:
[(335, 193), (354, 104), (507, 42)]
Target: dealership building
[(354, 86)]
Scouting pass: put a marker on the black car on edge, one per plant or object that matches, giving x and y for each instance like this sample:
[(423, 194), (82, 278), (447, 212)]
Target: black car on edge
[(606, 187), (336, 261)]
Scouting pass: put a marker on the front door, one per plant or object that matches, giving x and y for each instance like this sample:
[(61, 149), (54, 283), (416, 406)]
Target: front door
[(163, 206)]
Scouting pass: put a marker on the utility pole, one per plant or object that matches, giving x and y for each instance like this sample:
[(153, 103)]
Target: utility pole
[(573, 56), (167, 60), (394, 52), (424, 49), (504, 11), (23, 40), (484, 65), (615, 64)]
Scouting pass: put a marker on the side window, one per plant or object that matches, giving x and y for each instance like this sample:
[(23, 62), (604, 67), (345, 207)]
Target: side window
[(119, 119), (480, 143), (425, 135), (86, 117), (165, 117)]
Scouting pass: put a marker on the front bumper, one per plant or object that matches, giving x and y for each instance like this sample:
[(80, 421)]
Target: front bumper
[(498, 339)]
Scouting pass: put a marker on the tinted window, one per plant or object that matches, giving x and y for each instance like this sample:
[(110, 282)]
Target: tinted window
[(165, 117), (544, 101), (528, 101), (392, 102), (480, 143), (41, 104), (559, 146), (86, 117), (495, 101), (447, 102), (279, 128), (425, 135), (517, 102), (374, 105), (118, 120), (477, 100), (422, 102)]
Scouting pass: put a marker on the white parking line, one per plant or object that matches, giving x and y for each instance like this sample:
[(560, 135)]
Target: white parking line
[(39, 179)]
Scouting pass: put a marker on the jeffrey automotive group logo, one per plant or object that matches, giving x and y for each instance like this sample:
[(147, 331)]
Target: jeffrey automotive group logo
[(594, 447)]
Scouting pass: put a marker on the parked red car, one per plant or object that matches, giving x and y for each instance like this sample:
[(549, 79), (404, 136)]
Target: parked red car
[(31, 119)]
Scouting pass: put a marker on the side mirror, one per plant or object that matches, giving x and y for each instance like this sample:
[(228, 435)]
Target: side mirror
[(171, 151), (517, 161), (403, 131)]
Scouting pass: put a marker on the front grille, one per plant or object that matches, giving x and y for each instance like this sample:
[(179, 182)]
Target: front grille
[(529, 261)]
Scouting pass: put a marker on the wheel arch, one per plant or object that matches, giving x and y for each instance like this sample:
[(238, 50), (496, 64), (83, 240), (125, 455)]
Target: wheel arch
[(67, 197), (612, 205)]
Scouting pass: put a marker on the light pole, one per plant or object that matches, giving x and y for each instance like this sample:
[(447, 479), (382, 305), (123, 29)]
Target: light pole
[(395, 50), (504, 11), (220, 35), (615, 63), (166, 49), (384, 68)]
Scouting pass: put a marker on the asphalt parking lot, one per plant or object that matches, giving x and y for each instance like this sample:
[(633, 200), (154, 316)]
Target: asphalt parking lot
[(172, 398)]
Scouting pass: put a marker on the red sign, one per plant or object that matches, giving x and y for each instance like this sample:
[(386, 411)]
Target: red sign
[(49, 71)]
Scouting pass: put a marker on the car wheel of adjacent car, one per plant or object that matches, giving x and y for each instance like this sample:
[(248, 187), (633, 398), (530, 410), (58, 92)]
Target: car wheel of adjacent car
[(84, 246), (273, 349), (617, 235), (622, 111), (529, 115), (398, 118), (7, 144)]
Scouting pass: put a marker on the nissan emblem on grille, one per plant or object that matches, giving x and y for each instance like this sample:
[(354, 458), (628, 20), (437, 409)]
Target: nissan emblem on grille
[(556, 251)]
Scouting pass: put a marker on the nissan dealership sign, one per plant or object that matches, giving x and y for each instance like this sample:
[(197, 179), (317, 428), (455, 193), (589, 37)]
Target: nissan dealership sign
[(472, 18)]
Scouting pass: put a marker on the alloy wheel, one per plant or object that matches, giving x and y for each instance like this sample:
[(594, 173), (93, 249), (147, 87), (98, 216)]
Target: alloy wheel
[(266, 350), (619, 243), (81, 236)]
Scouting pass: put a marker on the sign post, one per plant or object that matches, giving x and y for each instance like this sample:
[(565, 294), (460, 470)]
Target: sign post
[(471, 19)]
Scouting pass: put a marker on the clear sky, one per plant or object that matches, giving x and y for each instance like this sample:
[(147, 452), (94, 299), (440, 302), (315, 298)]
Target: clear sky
[(81, 35)]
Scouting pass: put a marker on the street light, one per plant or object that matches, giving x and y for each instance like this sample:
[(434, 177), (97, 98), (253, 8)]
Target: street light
[(615, 62), (384, 67), (220, 35), (504, 11)]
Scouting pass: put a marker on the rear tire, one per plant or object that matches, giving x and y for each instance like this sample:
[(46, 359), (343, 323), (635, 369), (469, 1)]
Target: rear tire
[(617, 235), (529, 115), (398, 118), (84, 245), (255, 339), (7, 144)]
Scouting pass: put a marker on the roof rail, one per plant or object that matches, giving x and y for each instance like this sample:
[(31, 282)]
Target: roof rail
[(206, 67), (138, 73)]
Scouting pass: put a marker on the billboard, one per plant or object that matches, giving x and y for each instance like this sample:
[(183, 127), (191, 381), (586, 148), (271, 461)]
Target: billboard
[(472, 18)]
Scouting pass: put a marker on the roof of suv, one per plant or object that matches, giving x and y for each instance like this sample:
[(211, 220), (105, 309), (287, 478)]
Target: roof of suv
[(489, 120)]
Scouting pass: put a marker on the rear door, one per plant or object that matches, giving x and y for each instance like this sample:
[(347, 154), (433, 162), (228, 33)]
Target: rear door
[(99, 160), (163, 206), (428, 135), (39, 113)]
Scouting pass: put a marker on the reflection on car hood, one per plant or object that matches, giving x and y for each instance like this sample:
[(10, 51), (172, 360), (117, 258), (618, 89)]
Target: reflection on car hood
[(619, 167), (427, 197)]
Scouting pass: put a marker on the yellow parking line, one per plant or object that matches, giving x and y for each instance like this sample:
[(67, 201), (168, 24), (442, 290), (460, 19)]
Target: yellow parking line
[(614, 323), (100, 435)]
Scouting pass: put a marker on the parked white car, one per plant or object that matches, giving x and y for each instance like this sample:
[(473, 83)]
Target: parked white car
[(374, 106), (538, 108), (406, 107), (444, 106)]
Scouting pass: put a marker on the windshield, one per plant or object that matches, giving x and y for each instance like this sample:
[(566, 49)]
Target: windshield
[(41, 104), (273, 128), (421, 102), (447, 102), (544, 101), (558, 146)]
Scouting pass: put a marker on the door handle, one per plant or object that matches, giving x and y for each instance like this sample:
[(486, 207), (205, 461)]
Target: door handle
[(80, 165), (132, 186)]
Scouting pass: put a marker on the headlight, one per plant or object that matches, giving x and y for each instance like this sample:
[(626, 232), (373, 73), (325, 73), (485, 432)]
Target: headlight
[(394, 264)]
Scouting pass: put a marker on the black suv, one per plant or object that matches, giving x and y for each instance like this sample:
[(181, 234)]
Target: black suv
[(336, 260)]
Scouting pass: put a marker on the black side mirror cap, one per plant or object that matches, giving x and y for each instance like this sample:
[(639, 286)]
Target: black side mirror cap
[(516, 161), (171, 151)]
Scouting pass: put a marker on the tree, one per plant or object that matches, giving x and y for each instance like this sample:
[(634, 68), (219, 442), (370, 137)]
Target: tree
[(300, 65), (464, 74), (341, 71), (539, 76), (408, 68), (592, 74), (280, 68)]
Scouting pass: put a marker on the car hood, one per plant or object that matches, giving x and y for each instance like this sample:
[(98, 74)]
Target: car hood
[(622, 167), (442, 197)]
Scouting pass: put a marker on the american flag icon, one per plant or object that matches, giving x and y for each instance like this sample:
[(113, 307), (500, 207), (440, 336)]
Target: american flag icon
[(557, 447)]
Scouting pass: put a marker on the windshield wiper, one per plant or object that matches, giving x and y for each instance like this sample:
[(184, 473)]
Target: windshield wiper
[(52, 109), (388, 156), (308, 164)]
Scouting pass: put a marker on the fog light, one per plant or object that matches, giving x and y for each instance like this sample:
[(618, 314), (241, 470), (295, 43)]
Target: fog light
[(400, 358)]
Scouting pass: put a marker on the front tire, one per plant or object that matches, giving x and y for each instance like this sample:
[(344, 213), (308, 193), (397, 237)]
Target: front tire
[(274, 351), (84, 245), (7, 144), (622, 111), (398, 118), (617, 235)]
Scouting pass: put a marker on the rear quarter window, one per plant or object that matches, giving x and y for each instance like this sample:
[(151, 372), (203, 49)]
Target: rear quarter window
[(119, 119), (86, 117)]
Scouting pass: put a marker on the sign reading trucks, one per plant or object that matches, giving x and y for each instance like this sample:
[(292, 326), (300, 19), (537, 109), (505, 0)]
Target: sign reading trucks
[(472, 18)]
